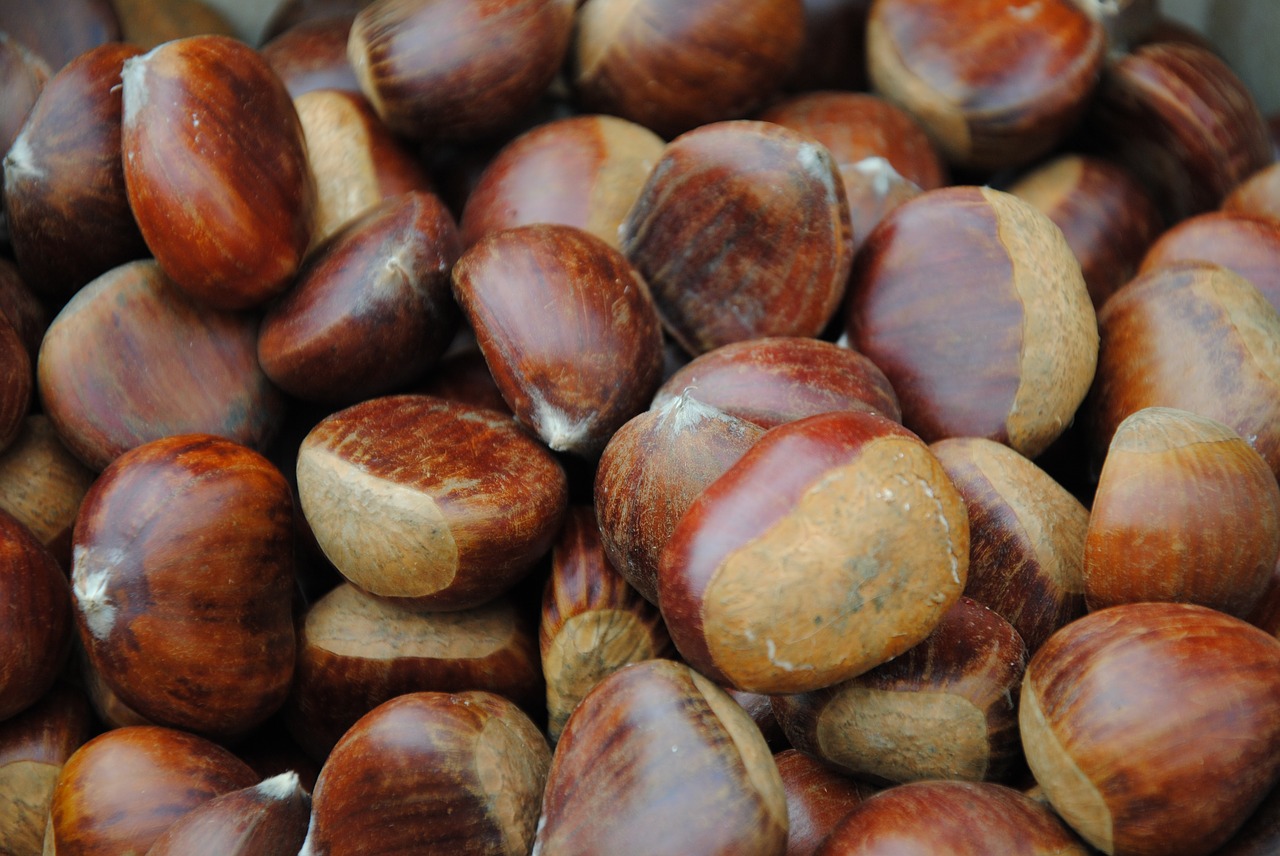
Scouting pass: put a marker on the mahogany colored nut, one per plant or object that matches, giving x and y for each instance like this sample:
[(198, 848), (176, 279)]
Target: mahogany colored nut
[(131, 358), (995, 84), (22, 308), (372, 309), (1026, 537), (957, 818), (216, 169), (945, 709), (460, 773), (457, 71), (817, 799), (834, 544), (973, 305), (312, 55), (657, 759), (1129, 707), (672, 66), (356, 651), (742, 231), (597, 165), (1182, 121), (16, 383), (1196, 337), (568, 329), (1185, 511), (1106, 215), (35, 618), (267, 819), (183, 579), (148, 23), (593, 623), (779, 379), (1258, 195), (652, 469), (22, 76), (60, 30), (434, 501), (356, 161), (120, 791), (1244, 244)]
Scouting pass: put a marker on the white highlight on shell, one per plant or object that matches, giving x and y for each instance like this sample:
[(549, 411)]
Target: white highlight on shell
[(21, 161), (133, 96), (771, 651), (279, 787), (308, 843), (816, 161), (91, 578)]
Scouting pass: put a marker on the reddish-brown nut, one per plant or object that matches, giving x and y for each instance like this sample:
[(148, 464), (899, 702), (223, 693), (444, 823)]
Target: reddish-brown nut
[(459, 773), (460, 70), (1026, 536), (435, 501), (268, 819), (659, 758), (671, 65), (1182, 121), (148, 23), (1126, 708), (973, 305), (650, 472), (22, 308), (956, 818), (1267, 613), (17, 383), (312, 55), (779, 379), (1258, 195), (834, 544), (1185, 511), (131, 359), (60, 30), (568, 329), (216, 169), (834, 52), (1196, 337), (995, 84), (372, 309), (597, 165), (22, 75), (120, 791), (356, 651), (742, 231), (1107, 217), (182, 573), (1242, 243), (945, 709), (817, 799), (593, 622)]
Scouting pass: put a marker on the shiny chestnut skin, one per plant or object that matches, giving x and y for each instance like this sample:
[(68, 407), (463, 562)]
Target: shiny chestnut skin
[(22, 308), (269, 818), (216, 169), (457, 71), (313, 55), (16, 383), (1128, 708), (817, 799), (1245, 244)]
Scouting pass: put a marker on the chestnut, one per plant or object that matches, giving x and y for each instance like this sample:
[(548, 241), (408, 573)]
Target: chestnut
[(35, 618), (267, 819), (817, 799), (462, 375), (60, 30), (293, 13), (16, 383), (22, 75), (22, 308), (1258, 195), (312, 55), (1125, 710), (1243, 243)]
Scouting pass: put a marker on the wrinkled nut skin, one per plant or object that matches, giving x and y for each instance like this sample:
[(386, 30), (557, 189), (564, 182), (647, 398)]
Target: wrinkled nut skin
[(313, 55), (834, 544), (457, 71), (568, 329), (659, 755), (973, 305), (779, 379), (64, 189), (944, 709), (216, 169), (384, 278), (1241, 243), (1131, 705), (995, 84), (817, 799), (672, 66), (35, 618), (120, 791), (17, 384), (449, 773), (131, 358), (440, 503), (742, 231), (268, 818), (201, 640), (61, 30)]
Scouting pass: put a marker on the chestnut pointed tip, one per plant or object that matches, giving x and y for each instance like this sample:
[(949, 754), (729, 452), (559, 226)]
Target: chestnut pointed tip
[(91, 578), (280, 787)]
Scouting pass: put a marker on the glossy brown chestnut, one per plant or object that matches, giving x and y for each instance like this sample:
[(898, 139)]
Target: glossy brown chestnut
[(995, 84), (131, 359), (312, 55), (1242, 243), (817, 799), (1026, 536), (460, 773), (17, 383), (461, 70), (22, 308), (61, 30), (742, 231), (973, 305), (35, 618), (568, 329), (23, 74), (216, 169), (384, 279), (267, 819), (148, 23), (435, 501), (1258, 195), (1126, 710), (834, 544), (182, 573), (657, 759), (671, 65), (120, 791)]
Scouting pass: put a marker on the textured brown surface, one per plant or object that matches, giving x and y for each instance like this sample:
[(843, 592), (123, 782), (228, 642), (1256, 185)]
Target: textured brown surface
[(35, 615)]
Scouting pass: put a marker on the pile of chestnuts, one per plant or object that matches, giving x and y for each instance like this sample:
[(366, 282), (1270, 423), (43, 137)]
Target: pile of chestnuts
[(625, 427)]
